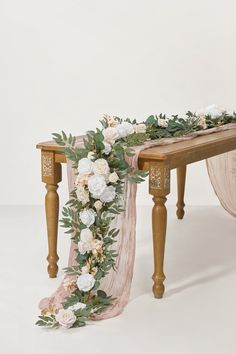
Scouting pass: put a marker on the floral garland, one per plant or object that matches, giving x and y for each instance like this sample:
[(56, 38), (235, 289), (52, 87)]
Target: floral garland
[(97, 199)]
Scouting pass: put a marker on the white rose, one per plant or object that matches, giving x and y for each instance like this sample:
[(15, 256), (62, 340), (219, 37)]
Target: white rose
[(84, 247), (85, 282), (82, 194), (111, 121), (66, 318), (162, 123), (91, 155), (98, 205), (96, 185), (87, 217), (76, 307), (108, 194), (85, 166), (202, 123), (81, 180), (113, 177), (213, 110), (86, 235), (140, 128), (125, 129), (110, 135), (107, 149), (101, 167)]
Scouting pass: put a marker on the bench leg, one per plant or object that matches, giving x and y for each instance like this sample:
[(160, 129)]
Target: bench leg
[(159, 187), (52, 211), (181, 175), (51, 175)]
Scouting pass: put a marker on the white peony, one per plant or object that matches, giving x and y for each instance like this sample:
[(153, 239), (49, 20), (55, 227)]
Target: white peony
[(110, 135), (162, 123), (77, 306), (85, 166), (87, 217), (213, 110), (107, 149), (98, 205), (85, 282), (140, 128), (125, 129), (113, 177), (86, 235), (82, 194), (101, 167), (66, 318), (96, 185), (91, 155), (108, 194)]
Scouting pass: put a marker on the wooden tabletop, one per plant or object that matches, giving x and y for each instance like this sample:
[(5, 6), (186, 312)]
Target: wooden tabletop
[(176, 154)]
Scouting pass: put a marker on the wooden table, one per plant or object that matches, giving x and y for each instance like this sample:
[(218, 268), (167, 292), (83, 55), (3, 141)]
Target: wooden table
[(159, 161)]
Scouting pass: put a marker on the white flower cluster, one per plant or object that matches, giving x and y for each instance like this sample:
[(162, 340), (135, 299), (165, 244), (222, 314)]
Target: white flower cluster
[(213, 110), (87, 243)]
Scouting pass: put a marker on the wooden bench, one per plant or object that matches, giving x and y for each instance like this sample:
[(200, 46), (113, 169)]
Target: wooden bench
[(159, 161)]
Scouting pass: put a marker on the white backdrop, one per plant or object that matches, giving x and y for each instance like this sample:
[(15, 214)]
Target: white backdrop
[(65, 63)]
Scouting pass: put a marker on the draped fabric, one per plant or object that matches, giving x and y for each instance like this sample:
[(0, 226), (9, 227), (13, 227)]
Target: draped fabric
[(222, 173)]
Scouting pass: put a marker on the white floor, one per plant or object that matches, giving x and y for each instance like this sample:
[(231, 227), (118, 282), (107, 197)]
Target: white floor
[(197, 314)]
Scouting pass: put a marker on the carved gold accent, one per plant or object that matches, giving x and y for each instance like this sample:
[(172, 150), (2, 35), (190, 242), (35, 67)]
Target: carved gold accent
[(167, 178), (155, 177), (47, 165)]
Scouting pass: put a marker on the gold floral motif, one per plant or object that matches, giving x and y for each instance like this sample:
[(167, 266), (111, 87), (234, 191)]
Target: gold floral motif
[(47, 165), (166, 178), (155, 177)]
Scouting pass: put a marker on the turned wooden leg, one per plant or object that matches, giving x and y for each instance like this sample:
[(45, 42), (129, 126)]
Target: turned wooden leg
[(181, 174), (51, 175), (52, 211), (159, 187)]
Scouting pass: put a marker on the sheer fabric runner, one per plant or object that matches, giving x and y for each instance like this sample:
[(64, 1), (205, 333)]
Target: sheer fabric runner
[(222, 173)]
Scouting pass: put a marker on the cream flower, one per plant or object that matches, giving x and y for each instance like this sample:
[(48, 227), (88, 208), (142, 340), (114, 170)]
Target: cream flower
[(140, 128), (110, 135), (91, 155), (87, 217), (108, 194), (113, 177), (98, 205), (66, 318), (81, 180), (85, 166), (86, 235), (85, 269), (101, 167), (125, 129), (97, 245), (107, 149), (202, 123), (82, 194), (84, 247), (69, 284), (111, 121), (96, 185), (85, 282), (162, 123), (77, 306)]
